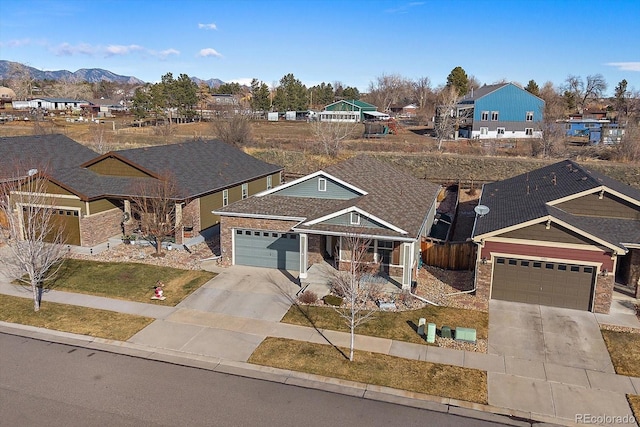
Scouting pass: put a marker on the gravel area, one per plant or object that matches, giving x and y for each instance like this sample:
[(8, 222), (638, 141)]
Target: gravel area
[(437, 285), (175, 258)]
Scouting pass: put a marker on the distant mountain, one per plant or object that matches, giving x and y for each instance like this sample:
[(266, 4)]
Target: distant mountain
[(211, 82), (92, 75)]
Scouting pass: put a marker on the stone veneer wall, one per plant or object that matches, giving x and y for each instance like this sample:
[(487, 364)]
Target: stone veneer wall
[(603, 289), (97, 228), (634, 271), (315, 249), (228, 223)]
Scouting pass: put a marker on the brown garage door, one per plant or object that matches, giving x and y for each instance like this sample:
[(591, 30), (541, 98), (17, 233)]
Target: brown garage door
[(545, 283), (61, 220)]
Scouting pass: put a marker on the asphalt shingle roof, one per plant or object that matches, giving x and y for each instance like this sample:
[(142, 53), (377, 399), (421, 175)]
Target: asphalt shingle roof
[(199, 167), (392, 195), (524, 198)]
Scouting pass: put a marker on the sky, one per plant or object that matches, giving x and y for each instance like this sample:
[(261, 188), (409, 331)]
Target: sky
[(354, 42)]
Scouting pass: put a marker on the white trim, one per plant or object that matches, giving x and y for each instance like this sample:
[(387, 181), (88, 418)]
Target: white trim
[(244, 190), (347, 234), (544, 243), (361, 212), (310, 176), (258, 216), (632, 245), (225, 197), (322, 184), (354, 218), (594, 190), (540, 220), (304, 254), (52, 195)]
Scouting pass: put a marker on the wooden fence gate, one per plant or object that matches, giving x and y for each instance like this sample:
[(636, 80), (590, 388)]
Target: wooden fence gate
[(449, 256)]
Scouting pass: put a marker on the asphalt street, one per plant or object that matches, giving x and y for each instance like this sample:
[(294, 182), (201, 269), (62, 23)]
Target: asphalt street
[(44, 383)]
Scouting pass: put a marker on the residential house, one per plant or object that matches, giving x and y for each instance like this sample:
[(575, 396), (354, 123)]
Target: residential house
[(559, 236), (51, 104), (350, 111), (502, 110), (94, 192), (305, 221)]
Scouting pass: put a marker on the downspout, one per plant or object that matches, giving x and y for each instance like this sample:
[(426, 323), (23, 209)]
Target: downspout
[(419, 297)]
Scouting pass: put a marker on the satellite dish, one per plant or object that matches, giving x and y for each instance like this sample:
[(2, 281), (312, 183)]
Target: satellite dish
[(32, 172), (481, 210)]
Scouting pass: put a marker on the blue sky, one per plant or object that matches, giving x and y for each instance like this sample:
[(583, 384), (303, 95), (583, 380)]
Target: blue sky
[(353, 41)]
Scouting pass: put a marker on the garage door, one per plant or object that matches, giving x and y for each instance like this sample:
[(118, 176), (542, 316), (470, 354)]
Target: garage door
[(267, 249), (62, 221), (545, 283)]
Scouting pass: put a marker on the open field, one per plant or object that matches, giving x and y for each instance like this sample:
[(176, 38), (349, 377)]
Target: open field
[(290, 144)]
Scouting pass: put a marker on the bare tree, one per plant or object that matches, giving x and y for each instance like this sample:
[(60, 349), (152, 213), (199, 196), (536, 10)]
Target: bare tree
[(330, 135), (552, 130), (99, 138), (32, 231), (580, 92), (154, 206), (389, 89), (628, 149), (446, 117), (356, 294), (234, 131)]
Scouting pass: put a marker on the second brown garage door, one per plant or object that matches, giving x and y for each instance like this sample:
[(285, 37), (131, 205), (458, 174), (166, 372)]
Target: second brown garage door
[(545, 283)]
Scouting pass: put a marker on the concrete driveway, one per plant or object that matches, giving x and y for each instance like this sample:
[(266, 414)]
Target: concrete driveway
[(563, 337), (228, 317)]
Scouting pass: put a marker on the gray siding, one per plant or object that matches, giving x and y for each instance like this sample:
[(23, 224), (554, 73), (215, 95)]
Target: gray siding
[(309, 189), (345, 220)]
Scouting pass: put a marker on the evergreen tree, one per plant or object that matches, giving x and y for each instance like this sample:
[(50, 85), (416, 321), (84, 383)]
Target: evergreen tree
[(291, 95), (351, 93), (458, 79), (260, 96), (621, 97), (532, 87)]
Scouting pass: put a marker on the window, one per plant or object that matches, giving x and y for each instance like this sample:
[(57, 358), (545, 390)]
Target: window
[(494, 116), (575, 268), (513, 262), (588, 270), (484, 116), (524, 263), (354, 218), (537, 265), (269, 182), (500, 131), (562, 267), (548, 266), (484, 131), (500, 261), (225, 197), (528, 131), (245, 190), (322, 184), (529, 117)]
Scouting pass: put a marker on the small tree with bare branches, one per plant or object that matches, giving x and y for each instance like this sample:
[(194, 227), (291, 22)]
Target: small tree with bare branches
[(446, 118), (331, 135), (234, 131), (357, 295), (154, 206), (32, 231)]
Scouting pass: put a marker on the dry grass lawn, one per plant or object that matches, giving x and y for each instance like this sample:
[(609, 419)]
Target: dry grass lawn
[(634, 402), (129, 281), (624, 348), (401, 325), (372, 368), (70, 318)]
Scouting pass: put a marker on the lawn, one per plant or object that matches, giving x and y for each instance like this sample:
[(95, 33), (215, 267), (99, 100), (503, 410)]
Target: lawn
[(401, 325), (373, 368), (70, 318), (634, 402), (624, 348), (128, 281)]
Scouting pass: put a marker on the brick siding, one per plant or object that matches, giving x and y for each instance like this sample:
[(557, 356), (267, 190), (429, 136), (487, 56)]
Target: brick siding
[(98, 228)]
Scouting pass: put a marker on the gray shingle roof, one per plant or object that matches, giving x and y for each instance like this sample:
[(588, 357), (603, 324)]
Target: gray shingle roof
[(200, 167), (393, 196), (524, 198)]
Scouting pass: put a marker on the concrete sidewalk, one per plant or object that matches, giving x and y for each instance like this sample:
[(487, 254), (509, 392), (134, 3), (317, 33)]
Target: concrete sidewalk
[(528, 389)]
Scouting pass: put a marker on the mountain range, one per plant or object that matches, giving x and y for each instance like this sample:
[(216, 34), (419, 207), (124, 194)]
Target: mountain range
[(91, 75)]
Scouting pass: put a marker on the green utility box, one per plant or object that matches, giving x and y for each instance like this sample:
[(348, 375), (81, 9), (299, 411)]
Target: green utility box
[(466, 334), (445, 332), (431, 333)]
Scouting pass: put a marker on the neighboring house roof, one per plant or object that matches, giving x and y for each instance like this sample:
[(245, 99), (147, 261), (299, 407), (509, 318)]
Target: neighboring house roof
[(388, 195), (199, 167), (532, 196), (475, 94), (61, 100), (357, 104)]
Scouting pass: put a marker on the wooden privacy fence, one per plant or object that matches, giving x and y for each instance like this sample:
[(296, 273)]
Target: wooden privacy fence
[(450, 256)]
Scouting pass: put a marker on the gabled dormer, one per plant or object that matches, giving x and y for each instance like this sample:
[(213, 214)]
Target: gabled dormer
[(601, 203), (354, 218), (319, 185), (113, 164)]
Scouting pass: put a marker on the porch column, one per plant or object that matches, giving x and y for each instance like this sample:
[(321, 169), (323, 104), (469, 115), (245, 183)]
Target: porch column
[(127, 209), (179, 229), (304, 249), (407, 265)]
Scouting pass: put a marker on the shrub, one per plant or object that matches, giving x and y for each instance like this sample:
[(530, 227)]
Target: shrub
[(308, 297), (332, 300)]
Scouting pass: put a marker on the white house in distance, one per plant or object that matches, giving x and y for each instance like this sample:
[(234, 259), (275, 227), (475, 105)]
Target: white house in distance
[(52, 104)]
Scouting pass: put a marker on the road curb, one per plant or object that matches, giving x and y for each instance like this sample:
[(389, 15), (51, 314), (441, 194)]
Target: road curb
[(466, 409)]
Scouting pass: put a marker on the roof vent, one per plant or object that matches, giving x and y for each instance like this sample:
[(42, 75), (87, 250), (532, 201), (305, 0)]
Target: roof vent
[(32, 172)]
